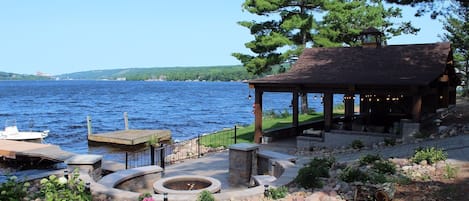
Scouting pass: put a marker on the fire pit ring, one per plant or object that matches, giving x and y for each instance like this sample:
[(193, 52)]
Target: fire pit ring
[(186, 184)]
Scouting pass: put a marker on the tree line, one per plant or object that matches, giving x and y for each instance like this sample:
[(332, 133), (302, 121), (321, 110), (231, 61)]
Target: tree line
[(208, 73)]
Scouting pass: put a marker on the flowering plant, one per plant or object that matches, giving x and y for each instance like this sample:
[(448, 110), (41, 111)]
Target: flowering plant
[(62, 189), (145, 197)]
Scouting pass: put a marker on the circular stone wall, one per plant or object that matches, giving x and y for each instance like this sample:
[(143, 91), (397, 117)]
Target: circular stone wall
[(186, 184)]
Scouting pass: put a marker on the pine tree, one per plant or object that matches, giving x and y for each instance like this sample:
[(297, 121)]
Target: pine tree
[(457, 27)]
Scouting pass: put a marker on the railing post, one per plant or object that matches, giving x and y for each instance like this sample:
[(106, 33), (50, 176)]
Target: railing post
[(152, 154), (198, 145), (126, 160), (126, 121), (235, 134), (162, 154), (88, 122)]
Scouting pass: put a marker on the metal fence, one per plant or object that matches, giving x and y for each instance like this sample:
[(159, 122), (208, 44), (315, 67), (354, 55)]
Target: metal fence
[(167, 154)]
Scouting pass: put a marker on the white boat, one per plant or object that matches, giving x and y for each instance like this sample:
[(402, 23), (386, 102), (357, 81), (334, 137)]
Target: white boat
[(11, 132)]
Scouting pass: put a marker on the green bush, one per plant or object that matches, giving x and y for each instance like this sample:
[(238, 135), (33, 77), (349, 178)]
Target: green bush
[(278, 193), (450, 172), (205, 196), (390, 141), (62, 189), (369, 159), (377, 178), (12, 190), (351, 174), (145, 197), (384, 167), (308, 176), (431, 155), (357, 144), (52, 188)]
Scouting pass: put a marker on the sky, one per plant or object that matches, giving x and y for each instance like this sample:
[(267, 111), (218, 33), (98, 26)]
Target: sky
[(57, 36)]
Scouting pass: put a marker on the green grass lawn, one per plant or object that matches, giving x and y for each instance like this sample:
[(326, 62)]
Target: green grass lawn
[(270, 121), (246, 134)]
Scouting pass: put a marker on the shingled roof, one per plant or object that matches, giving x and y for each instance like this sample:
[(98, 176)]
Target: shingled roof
[(416, 64)]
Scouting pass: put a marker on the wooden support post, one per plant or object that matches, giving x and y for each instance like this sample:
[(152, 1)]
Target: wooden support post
[(416, 107), (443, 97), (327, 100), (126, 121), (295, 113), (88, 122), (258, 116), (349, 102)]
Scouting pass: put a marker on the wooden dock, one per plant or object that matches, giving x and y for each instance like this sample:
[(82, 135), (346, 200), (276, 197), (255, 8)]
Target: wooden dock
[(130, 137), (17, 149)]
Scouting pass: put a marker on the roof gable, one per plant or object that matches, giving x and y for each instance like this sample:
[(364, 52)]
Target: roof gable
[(390, 65)]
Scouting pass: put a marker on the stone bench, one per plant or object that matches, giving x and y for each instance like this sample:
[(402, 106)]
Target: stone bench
[(261, 180), (267, 159), (276, 155), (114, 179)]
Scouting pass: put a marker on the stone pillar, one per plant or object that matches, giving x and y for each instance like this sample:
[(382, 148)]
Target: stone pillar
[(86, 162), (243, 163)]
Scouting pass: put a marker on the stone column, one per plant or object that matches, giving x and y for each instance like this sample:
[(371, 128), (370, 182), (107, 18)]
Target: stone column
[(87, 162), (243, 163)]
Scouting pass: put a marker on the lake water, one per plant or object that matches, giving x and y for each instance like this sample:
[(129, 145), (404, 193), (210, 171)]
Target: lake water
[(187, 109)]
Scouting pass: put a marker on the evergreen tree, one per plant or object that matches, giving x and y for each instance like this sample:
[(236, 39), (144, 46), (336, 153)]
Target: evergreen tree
[(344, 21), (457, 27), (285, 33), (290, 26), (435, 7)]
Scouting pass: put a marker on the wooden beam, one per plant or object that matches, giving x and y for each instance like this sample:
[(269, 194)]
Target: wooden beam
[(258, 116), (327, 100), (295, 113)]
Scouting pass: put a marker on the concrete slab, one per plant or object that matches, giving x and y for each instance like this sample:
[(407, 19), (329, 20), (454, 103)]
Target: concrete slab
[(84, 159), (244, 146)]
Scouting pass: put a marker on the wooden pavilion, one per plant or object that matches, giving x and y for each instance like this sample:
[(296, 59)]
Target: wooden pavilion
[(393, 82)]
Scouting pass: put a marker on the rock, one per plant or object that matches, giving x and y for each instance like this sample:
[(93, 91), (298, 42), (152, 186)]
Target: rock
[(400, 161), (442, 129), (317, 196), (344, 187), (423, 163), (440, 164), (406, 167)]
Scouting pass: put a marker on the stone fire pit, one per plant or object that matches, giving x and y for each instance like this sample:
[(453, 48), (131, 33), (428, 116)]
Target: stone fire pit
[(186, 184)]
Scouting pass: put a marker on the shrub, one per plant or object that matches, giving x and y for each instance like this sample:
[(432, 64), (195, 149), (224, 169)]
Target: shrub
[(369, 159), (278, 193), (450, 172), (389, 141), (285, 114), (145, 197), (351, 174), (401, 179), (205, 196), (431, 155), (357, 144), (377, 178), (422, 135), (11, 190), (308, 176), (384, 167), (55, 188)]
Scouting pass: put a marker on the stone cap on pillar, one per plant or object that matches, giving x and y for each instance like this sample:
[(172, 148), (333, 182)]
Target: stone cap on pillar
[(244, 146), (84, 159)]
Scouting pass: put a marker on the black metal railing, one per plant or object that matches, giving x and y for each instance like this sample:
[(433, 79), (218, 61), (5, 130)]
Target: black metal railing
[(167, 154)]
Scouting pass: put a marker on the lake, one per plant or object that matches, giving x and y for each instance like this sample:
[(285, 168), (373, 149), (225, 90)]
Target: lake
[(187, 109)]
